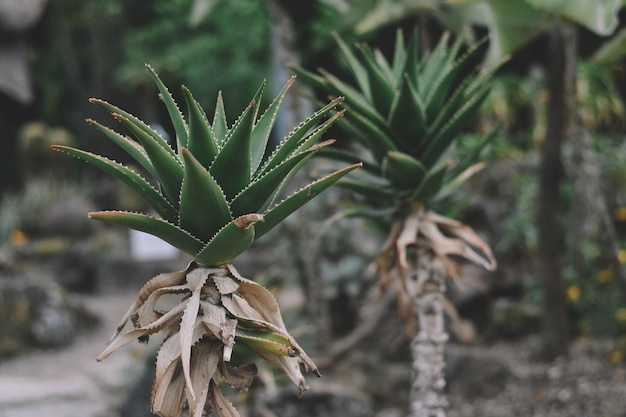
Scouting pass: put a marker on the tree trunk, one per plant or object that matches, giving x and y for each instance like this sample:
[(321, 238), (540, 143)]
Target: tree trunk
[(427, 348), (561, 105)]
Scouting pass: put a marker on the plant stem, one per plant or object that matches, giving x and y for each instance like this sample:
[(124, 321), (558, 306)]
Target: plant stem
[(427, 348)]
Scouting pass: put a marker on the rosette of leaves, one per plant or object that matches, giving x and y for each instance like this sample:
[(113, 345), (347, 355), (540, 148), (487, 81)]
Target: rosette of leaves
[(407, 114), (217, 192)]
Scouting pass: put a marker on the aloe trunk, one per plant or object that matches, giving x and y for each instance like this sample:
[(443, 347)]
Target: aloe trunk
[(427, 397)]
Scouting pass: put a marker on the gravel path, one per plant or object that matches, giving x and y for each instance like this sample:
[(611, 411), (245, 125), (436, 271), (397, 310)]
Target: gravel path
[(69, 382), (585, 384)]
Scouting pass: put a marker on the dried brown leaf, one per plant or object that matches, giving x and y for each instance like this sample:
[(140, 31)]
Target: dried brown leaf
[(196, 280)]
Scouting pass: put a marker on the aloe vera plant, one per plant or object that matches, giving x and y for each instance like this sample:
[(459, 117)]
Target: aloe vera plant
[(406, 114), (217, 193)]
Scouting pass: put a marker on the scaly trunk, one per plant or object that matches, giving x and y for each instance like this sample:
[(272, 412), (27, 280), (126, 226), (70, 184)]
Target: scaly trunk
[(561, 104), (427, 348)]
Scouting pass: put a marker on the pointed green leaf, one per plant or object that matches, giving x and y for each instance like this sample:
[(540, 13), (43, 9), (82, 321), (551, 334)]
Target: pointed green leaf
[(381, 84), (231, 168), (257, 100), (299, 134), (432, 184), (263, 128), (220, 126), (355, 99), (375, 193), (358, 71), (399, 61), (351, 158), (253, 197), (279, 212), (412, 65), (166, 165), (440, 90), (138, 124), (203, 206), (172, 108), (408, 117), (434, 64), (201, 143), (230, 241), (128, 177), (160, 228), (128, 145), (473, 155), (402, 170), (311, 79), (442, 139), (378, 140)]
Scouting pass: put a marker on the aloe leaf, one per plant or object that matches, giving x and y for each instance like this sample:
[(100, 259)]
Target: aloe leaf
[(381, 84), (473, 155), (372, 192), (311, 138), (231, 168), (434, 64), (359, 72), (128, 177), (201, 142), (408, 117), (279, 212), (311, 79), (135, 121), (351, 158), (297, 135), (403, 170), (203, 206), (172, 108), (263, 128), (230, 241), (355, 99), (257, 100), (383, 65), (412, 65), (160, 228), (432, 184), (253, 197), (220, 126), (464, 92), (128, 145), (377, 139), (166, 164), (442, 140), (399, 60), (439, 90), (266, 341)]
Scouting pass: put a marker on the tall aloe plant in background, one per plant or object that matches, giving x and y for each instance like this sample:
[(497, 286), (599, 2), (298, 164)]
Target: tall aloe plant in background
[(406, 114), (217, 193)]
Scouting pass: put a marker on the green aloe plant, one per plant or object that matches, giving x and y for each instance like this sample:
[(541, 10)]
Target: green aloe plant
[(406, 114), (217, 193)]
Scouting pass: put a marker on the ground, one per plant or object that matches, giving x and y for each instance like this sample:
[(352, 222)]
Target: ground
[(586, 384), (70, 382)]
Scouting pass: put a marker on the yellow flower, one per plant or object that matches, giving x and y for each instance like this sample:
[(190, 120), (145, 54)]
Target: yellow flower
[(573, 293), (620, 214), (605, 276), (617, 356), (621, 256), (18, 238), (620, 315)]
